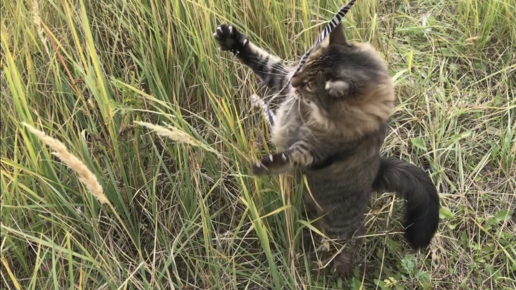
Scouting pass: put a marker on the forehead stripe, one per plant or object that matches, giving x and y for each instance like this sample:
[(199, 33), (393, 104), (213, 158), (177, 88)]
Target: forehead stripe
[(329, 28)]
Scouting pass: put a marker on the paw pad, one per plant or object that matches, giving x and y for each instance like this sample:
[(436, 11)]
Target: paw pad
[(229, 38)]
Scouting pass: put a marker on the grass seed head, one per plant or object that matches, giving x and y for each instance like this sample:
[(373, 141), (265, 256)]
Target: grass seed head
[(85, 175)]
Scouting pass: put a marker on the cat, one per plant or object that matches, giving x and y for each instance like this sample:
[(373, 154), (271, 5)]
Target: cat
[(330, 126)]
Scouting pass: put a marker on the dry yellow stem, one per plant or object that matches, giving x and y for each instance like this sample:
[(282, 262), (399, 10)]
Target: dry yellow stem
[(37, 21)]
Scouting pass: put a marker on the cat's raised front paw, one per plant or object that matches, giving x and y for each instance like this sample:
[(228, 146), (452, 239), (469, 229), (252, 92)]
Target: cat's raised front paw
[(229, 38)]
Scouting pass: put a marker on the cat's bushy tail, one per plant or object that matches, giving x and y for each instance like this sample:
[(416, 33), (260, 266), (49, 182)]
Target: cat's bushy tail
[(414, 185)]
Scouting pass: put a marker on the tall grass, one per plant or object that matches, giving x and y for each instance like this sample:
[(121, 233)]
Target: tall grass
[(190, 216)]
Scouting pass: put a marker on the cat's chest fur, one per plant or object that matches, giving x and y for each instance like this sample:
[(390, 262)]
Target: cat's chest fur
[(297, 120), (288, 123)]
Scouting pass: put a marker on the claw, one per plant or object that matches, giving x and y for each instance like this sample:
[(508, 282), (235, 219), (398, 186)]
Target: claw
[(271, 157), (219, 29)]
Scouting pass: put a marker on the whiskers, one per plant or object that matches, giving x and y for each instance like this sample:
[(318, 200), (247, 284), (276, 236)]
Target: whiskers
[(286, 89), (278, 67), (290, 102)]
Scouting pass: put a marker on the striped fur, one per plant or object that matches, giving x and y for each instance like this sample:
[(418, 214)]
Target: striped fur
[(329, 28), (269, 114), (330, 126), (269, 68)]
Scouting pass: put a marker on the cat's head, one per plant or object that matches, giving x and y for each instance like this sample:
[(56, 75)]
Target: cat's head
[(340, 77)]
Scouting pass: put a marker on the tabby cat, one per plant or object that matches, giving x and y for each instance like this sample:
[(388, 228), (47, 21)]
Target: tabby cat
[(331, 124)]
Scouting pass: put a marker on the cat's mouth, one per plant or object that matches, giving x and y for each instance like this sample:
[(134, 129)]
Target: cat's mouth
[(300, 96), (304, 100)]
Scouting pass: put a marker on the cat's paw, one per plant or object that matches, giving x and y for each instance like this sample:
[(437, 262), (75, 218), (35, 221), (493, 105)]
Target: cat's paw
[(273, 164), (229, 38)]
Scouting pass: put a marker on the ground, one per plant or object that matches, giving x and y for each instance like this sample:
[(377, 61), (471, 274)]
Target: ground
[(184, 212)]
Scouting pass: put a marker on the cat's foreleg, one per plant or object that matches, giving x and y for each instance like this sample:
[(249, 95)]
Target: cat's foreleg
[(297, 155), (269, 68)]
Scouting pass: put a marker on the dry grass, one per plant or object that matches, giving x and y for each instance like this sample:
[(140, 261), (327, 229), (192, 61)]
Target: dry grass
[(177, 135), (85, 175)]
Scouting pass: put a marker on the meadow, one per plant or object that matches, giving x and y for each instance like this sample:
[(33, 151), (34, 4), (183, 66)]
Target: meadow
[(182, 211)]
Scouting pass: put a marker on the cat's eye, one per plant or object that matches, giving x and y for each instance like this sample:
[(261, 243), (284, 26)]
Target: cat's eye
[(308, 87), (309, 84)]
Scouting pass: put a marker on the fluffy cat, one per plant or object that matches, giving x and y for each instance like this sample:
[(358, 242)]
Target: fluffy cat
[(330, 126)]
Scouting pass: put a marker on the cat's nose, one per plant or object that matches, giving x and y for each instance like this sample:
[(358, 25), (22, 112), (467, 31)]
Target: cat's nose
[(296, 82)]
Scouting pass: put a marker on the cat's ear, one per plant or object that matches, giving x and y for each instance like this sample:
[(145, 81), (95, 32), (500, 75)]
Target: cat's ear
[(337, 35), (337, 89)]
